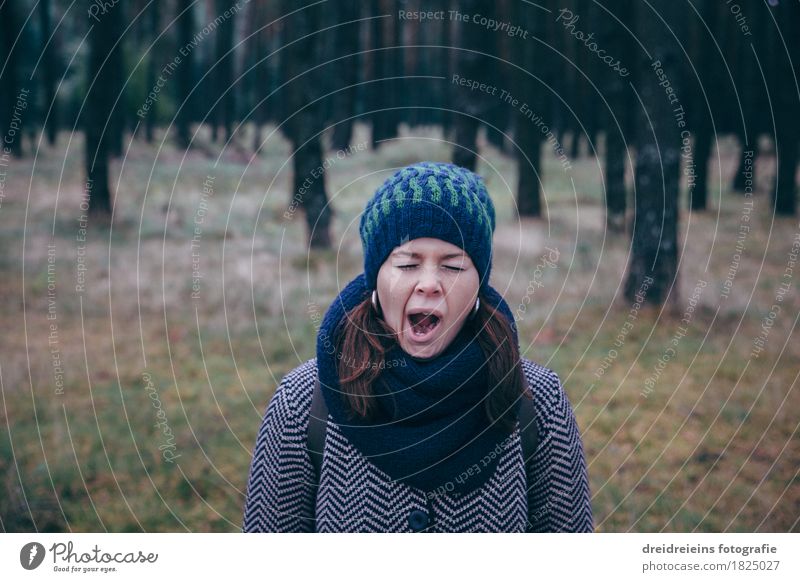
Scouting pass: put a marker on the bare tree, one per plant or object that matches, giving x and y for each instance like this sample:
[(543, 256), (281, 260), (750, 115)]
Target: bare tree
[(346, 43), (532, 62), (9, 67), (473, 44), (224, 90), (616, 117), (703, 45), (48, 75), (387, 68), (153, 11), (185, 113), (303, 123), (654, 249), (99, 120), (787, 131)]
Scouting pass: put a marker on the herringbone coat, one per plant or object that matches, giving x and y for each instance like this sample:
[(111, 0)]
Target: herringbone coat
[(550, 495)]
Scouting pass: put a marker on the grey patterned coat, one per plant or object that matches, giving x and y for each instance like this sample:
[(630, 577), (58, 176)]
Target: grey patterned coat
[(550, 495)]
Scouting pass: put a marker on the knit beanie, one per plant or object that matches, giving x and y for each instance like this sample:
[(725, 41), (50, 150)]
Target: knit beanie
[(427, 199)]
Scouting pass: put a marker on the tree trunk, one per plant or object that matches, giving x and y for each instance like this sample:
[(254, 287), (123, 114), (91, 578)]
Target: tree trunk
[(586, 124), (152, 71), (225, 109), (98, 113), (741, 178), (116, 63), (397, 114), (472, 106), (702, 45), (385, 61), (185, 110), (258, 78), (528, 136), (575, 146), (654, 249), (303, 124), (49, 72), (698, 185), (465, 152), (785, 198), (787, 133), (616, 195), (347, 40), (756, 98), (447, 66), (9, 83), (614, 36)]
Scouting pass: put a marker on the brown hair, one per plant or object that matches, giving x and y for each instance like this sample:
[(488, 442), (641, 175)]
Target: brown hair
[(363, 338)]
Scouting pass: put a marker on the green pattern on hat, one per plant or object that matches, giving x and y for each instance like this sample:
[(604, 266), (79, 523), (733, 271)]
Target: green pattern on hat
[(453, 194), (467, 197), (436, 196), (417, 197), (399, 196)]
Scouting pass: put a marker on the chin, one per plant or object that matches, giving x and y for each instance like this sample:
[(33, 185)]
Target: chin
[(423, 351)]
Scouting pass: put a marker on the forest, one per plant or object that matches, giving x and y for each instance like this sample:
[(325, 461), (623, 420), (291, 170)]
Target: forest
[(180, 188)]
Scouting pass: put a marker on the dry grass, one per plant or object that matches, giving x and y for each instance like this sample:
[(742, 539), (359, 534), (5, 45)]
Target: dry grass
[(713, 447)]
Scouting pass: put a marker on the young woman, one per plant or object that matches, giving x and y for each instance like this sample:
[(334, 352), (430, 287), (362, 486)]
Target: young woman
[(418, 365)]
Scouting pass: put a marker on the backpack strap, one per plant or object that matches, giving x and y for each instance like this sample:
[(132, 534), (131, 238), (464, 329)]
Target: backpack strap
[(317, 427), (528, 429)]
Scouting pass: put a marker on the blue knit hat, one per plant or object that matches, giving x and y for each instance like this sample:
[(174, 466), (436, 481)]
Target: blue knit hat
[(427, 199)]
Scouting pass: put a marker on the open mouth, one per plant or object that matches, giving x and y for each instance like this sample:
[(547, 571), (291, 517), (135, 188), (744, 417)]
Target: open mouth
[(423, 324)]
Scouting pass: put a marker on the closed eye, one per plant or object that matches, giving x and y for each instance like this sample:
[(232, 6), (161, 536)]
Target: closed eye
[(448, 267)]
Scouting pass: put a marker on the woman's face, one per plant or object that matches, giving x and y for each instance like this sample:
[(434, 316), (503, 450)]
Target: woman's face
[(426, 290)]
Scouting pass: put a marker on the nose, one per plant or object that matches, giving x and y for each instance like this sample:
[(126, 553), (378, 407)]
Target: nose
[(428, 283)]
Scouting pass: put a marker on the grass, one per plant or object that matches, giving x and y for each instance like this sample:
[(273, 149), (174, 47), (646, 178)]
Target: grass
[(712, 447)]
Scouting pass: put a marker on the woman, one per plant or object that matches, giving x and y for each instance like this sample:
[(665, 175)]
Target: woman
[(418, 364)]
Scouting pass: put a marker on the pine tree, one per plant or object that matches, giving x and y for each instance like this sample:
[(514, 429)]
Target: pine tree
[(184, 73), (654, 249), (304, 122), (99, 119)]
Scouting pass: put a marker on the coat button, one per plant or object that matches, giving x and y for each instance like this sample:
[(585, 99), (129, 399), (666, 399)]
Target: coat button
[(418, 520)]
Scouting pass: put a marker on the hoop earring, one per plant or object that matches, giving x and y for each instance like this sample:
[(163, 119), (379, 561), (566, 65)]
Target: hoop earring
[(375, 301), (476, 308)]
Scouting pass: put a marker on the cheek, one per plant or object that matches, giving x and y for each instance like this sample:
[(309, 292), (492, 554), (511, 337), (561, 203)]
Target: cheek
[(393, 295), (460, 308), (462, 297)]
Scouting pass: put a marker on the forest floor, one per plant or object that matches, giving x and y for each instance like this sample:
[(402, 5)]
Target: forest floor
[(135, 366)]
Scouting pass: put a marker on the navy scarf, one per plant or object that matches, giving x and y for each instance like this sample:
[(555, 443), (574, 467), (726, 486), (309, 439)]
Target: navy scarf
[(432, 432)]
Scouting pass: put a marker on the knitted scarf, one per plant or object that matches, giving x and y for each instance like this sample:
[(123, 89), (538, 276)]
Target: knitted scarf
[(432, 433)]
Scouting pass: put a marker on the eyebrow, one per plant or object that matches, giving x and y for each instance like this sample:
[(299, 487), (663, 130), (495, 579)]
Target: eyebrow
[(418, 256)]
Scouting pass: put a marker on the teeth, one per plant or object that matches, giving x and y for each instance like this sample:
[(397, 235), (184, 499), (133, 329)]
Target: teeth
[(423, 323)]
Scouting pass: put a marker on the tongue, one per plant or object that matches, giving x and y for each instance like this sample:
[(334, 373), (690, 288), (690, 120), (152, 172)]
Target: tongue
[(423, 322)]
